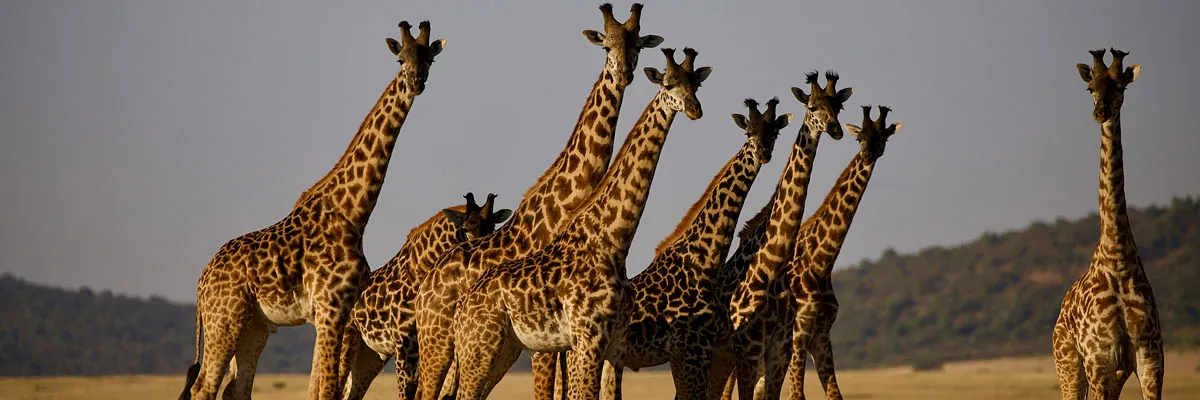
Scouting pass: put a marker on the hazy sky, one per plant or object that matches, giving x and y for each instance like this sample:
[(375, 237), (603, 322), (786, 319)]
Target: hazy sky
[(140, 136)]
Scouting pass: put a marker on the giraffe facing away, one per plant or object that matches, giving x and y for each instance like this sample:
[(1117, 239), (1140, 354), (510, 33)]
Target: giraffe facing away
[(768, 239), (574, 293), (1108, 326), (382, 316), (676, 318), (809, 271), (308, 267), (547, 205)]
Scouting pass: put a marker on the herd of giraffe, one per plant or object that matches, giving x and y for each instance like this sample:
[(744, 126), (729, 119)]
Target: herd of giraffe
[(467, 292)]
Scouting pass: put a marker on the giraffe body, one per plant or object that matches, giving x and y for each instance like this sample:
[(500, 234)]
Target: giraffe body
[(308, 267), (382, 319), (543, 211), (676, 316), (1108, 328), (574, 293)]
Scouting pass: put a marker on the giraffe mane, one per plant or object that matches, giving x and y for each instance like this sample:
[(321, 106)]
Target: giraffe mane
[(686, 221), (751, 226), (425, 225)]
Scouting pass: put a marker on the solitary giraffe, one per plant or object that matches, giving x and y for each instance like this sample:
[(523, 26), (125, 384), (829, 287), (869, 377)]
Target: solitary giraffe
[(383, 314), (1108, 324), (767, 241), (308, 267), (809, 271), (574, 293), (676, 318), (547, 204)]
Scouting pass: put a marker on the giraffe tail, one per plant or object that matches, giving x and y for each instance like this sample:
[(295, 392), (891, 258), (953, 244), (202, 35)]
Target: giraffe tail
[(194, 370)]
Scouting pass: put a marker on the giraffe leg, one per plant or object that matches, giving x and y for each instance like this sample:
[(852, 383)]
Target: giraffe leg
[(543, 375), (1068, 363), (362, 369), (249, 347), (222, 327), (610, 388), (690, 365), (720, 372), (585, 365), (822, 351), (560, 375), (1101, 368), (775, 365), (449, 386), (330, 322), (406, 369), (1150, 367), (480, 356)]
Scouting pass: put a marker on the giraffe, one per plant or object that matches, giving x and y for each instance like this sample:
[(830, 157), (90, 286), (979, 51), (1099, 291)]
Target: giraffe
[(309, 266), (676, 318), (572, 177), (809, 271), (767, 241), (1108, 324), (574, 293), (383, 313)]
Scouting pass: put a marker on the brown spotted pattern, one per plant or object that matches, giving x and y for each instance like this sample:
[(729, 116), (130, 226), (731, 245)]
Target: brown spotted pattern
[(308, 267), (382, 319), (572, 177), (574, 293), (1108, 327)]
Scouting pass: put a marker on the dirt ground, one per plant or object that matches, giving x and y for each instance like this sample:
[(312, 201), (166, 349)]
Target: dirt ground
[(1018, 378)]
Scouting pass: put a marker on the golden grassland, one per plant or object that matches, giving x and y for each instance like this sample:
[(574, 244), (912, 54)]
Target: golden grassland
[(1016, 378)]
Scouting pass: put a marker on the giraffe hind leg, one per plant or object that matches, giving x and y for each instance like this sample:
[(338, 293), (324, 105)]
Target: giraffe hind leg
[(1068, 363), (1150, 367), (822, 351), (249, 347), (362, 369), (222, 327)]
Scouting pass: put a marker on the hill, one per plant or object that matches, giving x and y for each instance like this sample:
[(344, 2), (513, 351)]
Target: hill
[(995, 296)]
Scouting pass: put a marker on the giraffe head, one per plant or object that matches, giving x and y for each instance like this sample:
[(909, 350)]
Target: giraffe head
[(678, 85), (873, 135), (762, 128), (1107, 83), (621, 42), (476, 221), (823, 104), (415, 55)]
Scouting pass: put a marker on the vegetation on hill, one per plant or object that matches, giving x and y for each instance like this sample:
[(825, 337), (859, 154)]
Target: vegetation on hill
[(995, 296)]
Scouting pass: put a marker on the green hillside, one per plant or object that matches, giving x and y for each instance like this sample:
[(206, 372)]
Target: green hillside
[(995, 296)]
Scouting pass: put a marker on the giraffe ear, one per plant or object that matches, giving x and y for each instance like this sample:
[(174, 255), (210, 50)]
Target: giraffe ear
[(1085, 72), (437, 46), (394, 46), (800, 96), (844, 94), (649, 41), (653, 75), (702, 73), (854, 129), (500, 216), (740, 121), (1132, 72), (891, 130), (783, 120), (455, 216), (595, 37)]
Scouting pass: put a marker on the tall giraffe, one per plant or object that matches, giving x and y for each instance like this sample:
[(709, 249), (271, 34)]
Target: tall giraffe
[(308, 267), (574, 293), (383, 313), (676, 318), (767, 241), (547, 204), (809, 271), (1108, 324)]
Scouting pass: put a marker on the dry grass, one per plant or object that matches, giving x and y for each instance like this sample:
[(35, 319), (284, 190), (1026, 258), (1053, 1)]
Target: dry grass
[(1021, 378)]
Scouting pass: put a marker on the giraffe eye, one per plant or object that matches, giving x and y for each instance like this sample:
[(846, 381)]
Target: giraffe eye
[(606, 49), (669, 87)]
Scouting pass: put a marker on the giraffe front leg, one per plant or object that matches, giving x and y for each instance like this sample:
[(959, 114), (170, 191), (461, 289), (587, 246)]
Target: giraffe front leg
[(406, 369), (1068, 363), (822, 351), (1150, 367), (775, 365), (249, 347), (330, 322), (721, 372), (1101, 368), (611, 382), (586, 361), (543, 375), (690, 365)]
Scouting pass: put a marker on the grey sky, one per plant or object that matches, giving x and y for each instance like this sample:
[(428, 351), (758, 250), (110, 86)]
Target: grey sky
[(140, 136)]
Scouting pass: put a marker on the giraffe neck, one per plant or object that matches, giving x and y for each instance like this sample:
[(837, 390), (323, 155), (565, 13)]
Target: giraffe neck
[(422, 249), (825, 231), (352, 186), (710, 224), (575, 173), (1116, 238), (612, 213), (779, 237)]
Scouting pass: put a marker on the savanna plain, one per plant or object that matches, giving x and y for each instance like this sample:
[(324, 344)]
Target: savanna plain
[(1011, 378)]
